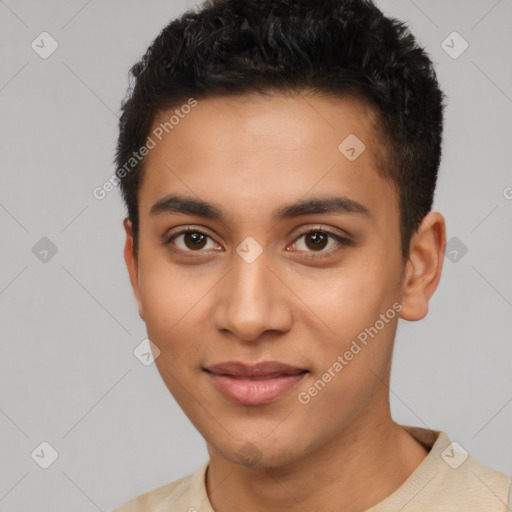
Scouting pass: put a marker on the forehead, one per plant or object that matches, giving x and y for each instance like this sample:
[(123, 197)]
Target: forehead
[(250, 154)]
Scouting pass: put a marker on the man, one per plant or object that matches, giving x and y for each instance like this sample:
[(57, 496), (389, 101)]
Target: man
[(282, 161)]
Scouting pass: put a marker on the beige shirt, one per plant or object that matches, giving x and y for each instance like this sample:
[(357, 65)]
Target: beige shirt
[(447, 480)]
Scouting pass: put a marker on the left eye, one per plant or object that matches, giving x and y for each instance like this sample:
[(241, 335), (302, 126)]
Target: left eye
[(318, 240)]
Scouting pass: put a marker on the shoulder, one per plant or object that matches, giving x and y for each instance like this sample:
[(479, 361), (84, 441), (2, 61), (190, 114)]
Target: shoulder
[(173, 493), (449, 479), (151, 499), (485, 487)]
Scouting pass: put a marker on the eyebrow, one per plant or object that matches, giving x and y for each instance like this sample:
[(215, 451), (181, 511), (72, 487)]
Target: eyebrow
[(315, 205)]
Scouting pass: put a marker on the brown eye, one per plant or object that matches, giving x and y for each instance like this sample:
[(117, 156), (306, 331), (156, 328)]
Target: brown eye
[(320, 243), (190, 241), (316, 240), (194, 240)]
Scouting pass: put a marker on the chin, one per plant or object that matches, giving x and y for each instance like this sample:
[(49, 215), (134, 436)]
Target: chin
[(260, 453)]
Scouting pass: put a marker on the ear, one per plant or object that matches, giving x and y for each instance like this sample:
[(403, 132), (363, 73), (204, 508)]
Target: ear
[(423, 268), (130, 259)]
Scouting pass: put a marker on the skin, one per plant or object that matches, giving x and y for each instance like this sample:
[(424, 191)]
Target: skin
[(249, 155)]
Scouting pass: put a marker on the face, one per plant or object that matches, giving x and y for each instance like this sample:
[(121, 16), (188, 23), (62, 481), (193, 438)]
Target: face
[(294, 258)]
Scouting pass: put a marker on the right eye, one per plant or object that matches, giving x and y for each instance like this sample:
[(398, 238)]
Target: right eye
[(190, 240)]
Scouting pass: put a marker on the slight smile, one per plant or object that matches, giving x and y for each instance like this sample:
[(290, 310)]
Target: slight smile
[(254, 384)]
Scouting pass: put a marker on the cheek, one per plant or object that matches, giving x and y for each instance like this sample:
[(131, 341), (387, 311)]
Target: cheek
[(176, 317), (169, 297), (352, 371), (348, 299), (351, 304)]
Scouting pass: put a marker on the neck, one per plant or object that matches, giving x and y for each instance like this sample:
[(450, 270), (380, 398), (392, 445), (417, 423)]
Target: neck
[(356, 470)]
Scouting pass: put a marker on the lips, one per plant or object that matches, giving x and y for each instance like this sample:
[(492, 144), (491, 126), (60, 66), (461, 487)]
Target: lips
[(264, 370), (254, 384)]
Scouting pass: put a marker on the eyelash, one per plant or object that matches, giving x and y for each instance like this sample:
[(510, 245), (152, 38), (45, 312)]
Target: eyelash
[(344, 242)]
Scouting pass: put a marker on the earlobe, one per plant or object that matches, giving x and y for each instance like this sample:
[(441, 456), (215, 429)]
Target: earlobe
[(424, 266), (130, 259)]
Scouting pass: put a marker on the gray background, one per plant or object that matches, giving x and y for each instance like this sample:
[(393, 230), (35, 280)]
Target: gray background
[(69, 325)]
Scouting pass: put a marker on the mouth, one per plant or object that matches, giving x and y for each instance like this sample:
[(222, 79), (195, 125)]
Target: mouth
[(254, 384)]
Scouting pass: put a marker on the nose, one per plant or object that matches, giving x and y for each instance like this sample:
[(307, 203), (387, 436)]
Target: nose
[(252, 300)]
